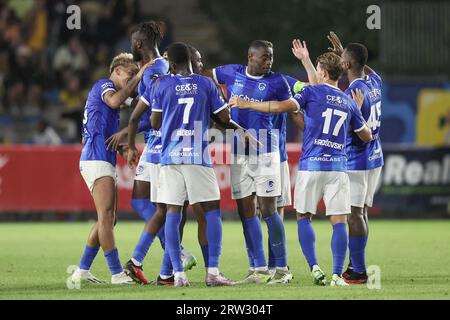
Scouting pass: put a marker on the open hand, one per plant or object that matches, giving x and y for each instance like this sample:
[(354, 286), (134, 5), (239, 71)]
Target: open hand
[(300, 50), (358, 96), (336, 42)]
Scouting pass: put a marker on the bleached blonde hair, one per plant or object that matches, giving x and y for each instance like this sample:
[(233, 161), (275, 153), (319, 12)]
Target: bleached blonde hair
[(123, 59)]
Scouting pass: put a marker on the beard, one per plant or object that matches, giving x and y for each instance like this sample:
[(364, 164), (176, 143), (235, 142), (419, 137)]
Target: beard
[(137, 56)]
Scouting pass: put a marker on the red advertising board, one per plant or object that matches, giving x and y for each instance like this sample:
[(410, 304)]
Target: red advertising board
[(43, 178)]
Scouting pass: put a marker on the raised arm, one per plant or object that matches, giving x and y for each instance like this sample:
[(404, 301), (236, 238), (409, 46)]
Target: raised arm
[(265, 106), (336, 43), (300, 51), (115, 99)]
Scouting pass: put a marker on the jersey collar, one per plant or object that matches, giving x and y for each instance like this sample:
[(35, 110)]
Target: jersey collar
[(355, 80), (252, 77), (327, 84)]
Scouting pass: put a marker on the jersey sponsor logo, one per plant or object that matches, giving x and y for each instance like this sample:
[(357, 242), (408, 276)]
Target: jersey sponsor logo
[(325, 158), (375, 94), (156, 149), (239, 83), (185, 133), (376, 154), (329, 144), (336, 101), (245, 97), (186, 88), (184, 152), (155, 133)]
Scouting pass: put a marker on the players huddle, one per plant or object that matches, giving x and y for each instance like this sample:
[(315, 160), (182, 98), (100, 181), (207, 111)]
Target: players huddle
[(341, 157)]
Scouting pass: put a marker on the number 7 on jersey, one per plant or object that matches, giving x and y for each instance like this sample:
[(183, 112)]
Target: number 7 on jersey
[(189, 102)]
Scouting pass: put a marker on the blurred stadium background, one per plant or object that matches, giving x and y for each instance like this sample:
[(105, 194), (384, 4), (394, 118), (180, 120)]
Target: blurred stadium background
[(46, 71)]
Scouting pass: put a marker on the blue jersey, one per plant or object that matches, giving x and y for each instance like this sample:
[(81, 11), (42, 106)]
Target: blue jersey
[(279, 119), (271, 86), (99, 123), (329, 115), (366, 156), (186, 103), (151, 137)]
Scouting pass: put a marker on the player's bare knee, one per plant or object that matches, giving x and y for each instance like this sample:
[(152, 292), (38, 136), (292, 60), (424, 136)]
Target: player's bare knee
[(341, 218), (210, 205), (106, 217), (267, 206)]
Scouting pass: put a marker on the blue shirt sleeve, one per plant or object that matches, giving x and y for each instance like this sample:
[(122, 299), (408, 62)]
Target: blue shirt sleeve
[(283, 89), (217, 103), (105, 86), (357, 121), (302, 97), (146, 97), (222, 73), (156, 98)]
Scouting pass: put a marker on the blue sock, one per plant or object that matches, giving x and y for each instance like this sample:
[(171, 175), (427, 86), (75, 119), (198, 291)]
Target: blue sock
[(88, 257), (256, 238), (166, 265), (214, 237), (143, 245), (357, 247), (205, 253), (162, 238), (144, 207), (112, 257), (248, 244), (307, 239), (172, 235), (277, 239), (339, 243), (271, 263)]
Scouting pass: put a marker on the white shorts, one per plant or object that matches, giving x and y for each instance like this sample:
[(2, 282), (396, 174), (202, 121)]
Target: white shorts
[(333, 186), (142, 169), (285, 199), (193, 182), (363, 184), (91, 170), (256, 174), (154, 170)]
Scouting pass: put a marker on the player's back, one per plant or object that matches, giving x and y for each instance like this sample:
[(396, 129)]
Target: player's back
[(329, 114), (365, 156), (99, 122), (187, 102)]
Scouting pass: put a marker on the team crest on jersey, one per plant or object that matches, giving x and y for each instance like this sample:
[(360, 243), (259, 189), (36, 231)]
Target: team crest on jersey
[(261, 86), (139, 170)]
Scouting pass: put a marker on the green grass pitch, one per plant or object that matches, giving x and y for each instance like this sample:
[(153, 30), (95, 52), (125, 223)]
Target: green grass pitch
[(414, 258)]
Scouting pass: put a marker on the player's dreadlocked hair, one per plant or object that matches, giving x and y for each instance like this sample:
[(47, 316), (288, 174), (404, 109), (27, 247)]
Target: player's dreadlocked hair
[(151, 32)]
